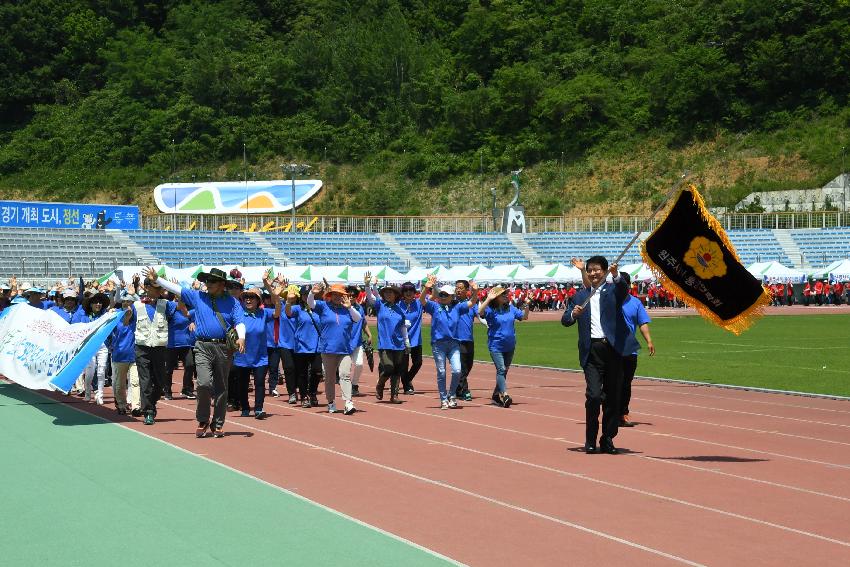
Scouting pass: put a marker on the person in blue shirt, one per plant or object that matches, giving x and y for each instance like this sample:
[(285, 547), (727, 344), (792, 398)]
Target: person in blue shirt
[(123, 354), (254, 361), (94, 307), (357, 343), (444, 342), (413, 316), (70, 305), (35, 297), (308, 361), (501, 337), (465, 291), (283, 353), (337, 318), (636, 318), (393, 341), (181, 342), (216, 311)]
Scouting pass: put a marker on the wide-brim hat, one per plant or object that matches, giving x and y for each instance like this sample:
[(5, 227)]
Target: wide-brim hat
[(253, 290), (212, 276), (69, 294), (408, 286), (33, 290), (499, 290), (98, 297), (393, 288), (337, 288)]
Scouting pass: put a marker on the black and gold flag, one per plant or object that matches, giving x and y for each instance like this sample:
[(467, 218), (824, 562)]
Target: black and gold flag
[(691, 255)]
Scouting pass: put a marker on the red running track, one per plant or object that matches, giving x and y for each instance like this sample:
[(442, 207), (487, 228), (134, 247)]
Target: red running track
[(708, 477)]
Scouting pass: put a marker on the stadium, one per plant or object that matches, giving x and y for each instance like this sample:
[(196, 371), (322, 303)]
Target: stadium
[(630, 350)]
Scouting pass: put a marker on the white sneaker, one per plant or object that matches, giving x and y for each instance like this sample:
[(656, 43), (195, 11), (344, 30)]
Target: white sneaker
[(444, 404), (453, 402), (349, 408), (332, 407), (98, 398)]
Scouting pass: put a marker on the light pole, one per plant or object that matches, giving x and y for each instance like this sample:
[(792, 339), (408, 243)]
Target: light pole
[(843, 182), (292, 169)]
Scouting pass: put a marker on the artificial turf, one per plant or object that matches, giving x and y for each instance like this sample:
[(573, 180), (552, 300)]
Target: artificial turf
[(806, 353)]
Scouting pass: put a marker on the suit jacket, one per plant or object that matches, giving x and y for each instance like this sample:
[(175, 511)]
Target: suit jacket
[(617, 332)]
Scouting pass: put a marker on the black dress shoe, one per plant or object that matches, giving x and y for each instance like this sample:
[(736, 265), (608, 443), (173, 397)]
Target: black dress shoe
[(590, 449), (607, 446)]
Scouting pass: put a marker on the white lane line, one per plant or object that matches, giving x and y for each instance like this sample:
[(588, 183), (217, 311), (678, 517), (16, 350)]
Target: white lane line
[(579, 476), (578, 372), (276, 487), (664, 416), (463, 491)]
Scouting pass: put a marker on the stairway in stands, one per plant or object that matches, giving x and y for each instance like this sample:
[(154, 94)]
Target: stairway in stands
[(398, 249), (792, 251), (263, 244), (518, 240), (143, 256)]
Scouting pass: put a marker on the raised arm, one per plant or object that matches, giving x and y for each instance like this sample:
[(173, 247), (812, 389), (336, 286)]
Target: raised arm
[(429, 287), (585, 280), (174, 288), (355, 314), (370, 293), (473, 294)]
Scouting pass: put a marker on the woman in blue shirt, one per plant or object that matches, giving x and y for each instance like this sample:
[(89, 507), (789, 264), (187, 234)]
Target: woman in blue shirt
[(308, 363), (94, 307), (357, 343), (337, 320), (255, 358), (123, 348), (413, 314), (181, 342), (444, 338), (501, 337), (393, 343)]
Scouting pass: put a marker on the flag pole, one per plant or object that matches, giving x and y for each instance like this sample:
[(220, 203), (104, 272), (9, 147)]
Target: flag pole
[(654, 213)]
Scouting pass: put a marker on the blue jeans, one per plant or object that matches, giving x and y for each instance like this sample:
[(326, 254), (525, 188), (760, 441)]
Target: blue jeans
[(446, 349), (502, 360)]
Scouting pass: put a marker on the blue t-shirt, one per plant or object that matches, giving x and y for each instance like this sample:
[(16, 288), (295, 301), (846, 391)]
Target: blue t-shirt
[(635, 315), (357, 329), (124, 342), (207, 325), (271, 339), (413, 313), (443, 321), (501, 336), (306, 336), (286, 332), (81, 316), (179, 335), (336, 325), (391, 319), (465, 319), (255, 354)]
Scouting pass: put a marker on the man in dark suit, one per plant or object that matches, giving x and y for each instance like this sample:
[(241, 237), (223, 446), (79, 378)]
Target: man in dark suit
[(603, 339)]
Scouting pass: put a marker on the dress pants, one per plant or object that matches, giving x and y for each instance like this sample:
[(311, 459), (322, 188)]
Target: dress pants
[(467, 359), (187, 357), (409, 373), (212, 361), (122, 373), (333, 363), (150, 364), (603, 375), (393, 365), (629, 368)]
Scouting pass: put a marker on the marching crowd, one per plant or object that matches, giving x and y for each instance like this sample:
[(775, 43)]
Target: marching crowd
[(231, 338)]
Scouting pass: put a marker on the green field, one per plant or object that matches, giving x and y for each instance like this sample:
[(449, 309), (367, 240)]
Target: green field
[(807, 353)]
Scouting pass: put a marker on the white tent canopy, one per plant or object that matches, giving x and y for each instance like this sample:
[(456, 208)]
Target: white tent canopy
[(512, 272), (553, 273), (838, 270), (639, 272), (776, 273), (476, 272)]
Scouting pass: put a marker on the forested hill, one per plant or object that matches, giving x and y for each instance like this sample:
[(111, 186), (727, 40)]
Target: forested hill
[(401, 103)]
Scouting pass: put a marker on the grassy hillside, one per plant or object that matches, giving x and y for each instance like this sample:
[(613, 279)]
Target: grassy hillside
[(420, 106)]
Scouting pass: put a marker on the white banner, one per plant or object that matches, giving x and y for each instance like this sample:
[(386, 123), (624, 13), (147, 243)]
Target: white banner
[(40, 350)]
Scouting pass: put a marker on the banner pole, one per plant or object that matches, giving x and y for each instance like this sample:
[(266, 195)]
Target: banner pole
[(654, 213)]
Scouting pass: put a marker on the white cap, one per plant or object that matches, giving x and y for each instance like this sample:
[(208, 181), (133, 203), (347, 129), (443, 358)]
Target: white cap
[(447, 289)]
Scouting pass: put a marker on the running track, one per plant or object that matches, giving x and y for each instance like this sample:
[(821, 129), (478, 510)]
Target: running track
[(709, 476)]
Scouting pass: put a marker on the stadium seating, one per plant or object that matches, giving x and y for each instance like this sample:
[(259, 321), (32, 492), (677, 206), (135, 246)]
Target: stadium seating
[(182, 249), (823, 245), (433, 248), (37, 253), (335, 248)]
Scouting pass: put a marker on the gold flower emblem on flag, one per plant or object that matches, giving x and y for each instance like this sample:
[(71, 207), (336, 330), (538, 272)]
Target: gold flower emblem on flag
[(706, 258)]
